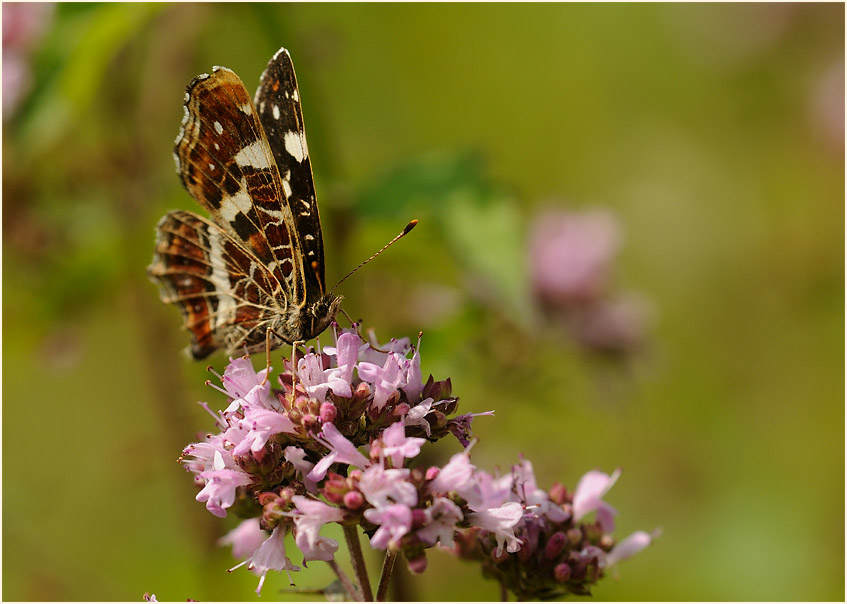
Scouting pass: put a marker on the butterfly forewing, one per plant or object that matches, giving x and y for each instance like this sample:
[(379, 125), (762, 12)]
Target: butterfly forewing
[(278, 103), (225, 162)]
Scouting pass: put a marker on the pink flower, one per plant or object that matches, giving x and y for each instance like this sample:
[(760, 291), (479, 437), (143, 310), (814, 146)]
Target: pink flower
[(502, 522), (417, 416), (414, 382), (257, 426), (219, 492), (394, 522), (269, 556), (239, 377), (628, 547), (440, 522), (341, 450), (487, 491), (245, 538), (24, 25), (571, 254), (382, 487), (456, 476), (532, 496), (386, 379), (397, 446), (204, 454), (310, 370), (221, 476), (297, 457), (346, 354), (376, 353), (588, 496), (313, 515)]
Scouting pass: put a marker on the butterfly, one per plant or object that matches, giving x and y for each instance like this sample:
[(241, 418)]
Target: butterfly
[(253, 276)]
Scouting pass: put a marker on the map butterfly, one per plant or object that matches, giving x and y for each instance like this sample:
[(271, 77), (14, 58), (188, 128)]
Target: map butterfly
[(254, 275)]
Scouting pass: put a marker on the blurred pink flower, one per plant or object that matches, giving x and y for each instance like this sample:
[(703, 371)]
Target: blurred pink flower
[(24, 24), (826, 106), (588, 497), (245, 538), (615, 325), (629, 547), (571, 255)]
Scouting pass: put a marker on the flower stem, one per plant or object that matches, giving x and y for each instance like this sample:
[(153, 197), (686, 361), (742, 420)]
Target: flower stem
[(355, 594), (358, 561), (384, 579)]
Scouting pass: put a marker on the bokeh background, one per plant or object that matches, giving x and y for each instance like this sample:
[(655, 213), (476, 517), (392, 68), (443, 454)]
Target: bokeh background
[(703, 353)]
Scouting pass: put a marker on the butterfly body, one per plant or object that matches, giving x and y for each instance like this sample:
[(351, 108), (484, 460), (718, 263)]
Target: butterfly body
[(254, 274)]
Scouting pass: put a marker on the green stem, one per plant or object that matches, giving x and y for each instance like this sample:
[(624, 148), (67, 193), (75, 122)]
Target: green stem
[(385, 577), (354, 594), (358, 561)]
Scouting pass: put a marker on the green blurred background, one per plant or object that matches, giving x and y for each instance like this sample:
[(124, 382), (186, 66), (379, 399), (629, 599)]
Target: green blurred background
[(715, 133)]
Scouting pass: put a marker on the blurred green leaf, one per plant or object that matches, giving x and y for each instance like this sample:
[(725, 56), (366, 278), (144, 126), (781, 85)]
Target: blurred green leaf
[(486, 234), (480, 225), (81, 68)]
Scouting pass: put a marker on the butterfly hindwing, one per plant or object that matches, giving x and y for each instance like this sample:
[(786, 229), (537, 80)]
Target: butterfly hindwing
[(225, 294)]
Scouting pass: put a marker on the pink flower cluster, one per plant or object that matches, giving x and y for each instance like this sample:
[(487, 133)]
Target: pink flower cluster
[(571, 261), (337, 442), (561, 552)]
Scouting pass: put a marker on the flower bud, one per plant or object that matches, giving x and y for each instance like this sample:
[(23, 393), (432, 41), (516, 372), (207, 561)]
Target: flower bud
[(562, 572), (558, 493), (353, 500), (418, 564), (574, 536), (432, 472), (555, 545), (328, 413)]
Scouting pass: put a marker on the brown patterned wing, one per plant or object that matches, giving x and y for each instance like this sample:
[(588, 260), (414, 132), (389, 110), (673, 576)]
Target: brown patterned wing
[(225, 162), (278, 102), (226, 296)]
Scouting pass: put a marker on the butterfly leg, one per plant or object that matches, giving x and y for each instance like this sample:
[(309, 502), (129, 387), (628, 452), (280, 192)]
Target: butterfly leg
[(267, 355), (294, 346)]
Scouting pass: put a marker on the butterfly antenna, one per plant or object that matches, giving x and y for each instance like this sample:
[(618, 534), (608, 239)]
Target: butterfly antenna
[(404, 232)]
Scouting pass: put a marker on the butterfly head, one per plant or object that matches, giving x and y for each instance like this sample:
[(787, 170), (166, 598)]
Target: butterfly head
[(320, 314)]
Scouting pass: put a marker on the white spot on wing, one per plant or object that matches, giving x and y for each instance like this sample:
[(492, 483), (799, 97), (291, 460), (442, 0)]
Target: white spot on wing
[(238, 203), (212, 167), (218, 128), (276, 112), (220, 279), (286, 187), (247, 109), (295, 95), (295, 144), (255, 155)]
